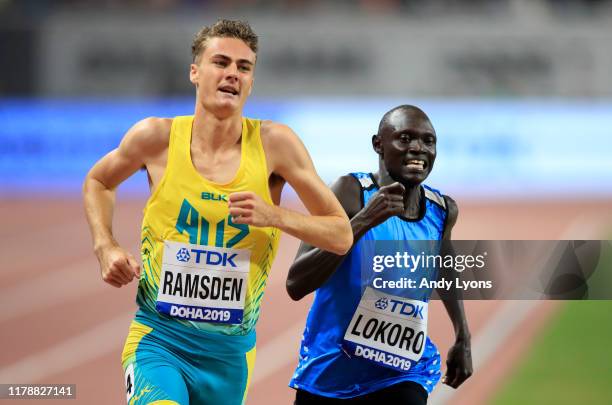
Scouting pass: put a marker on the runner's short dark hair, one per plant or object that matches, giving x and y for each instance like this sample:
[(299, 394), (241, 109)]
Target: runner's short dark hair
[(223, 29)]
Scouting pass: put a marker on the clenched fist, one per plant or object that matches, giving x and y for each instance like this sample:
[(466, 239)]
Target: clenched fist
[(118, 266), (458, 364), (386, 203), (246, 207)]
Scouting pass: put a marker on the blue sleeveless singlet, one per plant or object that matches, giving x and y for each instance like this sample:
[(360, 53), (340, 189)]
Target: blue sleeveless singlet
[(324, 366)]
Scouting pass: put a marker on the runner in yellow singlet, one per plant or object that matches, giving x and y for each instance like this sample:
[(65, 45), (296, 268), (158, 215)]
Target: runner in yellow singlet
[(210, 229)]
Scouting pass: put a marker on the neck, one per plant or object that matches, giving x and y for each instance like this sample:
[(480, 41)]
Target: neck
[(216, 132)]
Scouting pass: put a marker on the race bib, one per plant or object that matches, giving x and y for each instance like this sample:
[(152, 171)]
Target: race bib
[(388, 330), (203, 283)]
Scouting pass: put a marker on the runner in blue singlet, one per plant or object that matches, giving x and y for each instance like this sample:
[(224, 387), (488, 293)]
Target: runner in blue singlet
[(353, 347)]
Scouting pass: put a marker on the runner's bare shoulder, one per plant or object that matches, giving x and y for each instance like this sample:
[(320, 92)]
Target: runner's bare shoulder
[(149, 137), (282, 146), (273, 132), (283, 142)]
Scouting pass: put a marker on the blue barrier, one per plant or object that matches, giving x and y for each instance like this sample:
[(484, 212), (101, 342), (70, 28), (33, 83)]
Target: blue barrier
[(533, 148)]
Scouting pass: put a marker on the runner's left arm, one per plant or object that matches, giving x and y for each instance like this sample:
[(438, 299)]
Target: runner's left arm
[(327, 227), (459, 358)]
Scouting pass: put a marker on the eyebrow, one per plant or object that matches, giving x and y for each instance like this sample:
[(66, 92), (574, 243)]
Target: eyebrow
[(411, 131), (227, 58)]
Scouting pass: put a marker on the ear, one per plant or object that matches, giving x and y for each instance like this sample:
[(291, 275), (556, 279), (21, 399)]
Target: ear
[(194, 74), (377, 144)]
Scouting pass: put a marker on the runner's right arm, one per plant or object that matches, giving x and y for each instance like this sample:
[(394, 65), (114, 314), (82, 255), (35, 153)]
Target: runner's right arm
[(143, 143), (312, 266)]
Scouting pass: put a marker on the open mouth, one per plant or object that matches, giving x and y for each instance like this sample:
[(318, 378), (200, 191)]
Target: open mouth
[(416, 164), (228, 90)]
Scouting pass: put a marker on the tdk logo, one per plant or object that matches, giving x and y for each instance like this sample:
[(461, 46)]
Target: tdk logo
[(211, 258), (405, 308), (183, 255), (213, 197)]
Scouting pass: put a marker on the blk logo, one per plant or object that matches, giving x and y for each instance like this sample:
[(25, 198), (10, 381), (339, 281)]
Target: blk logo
[(183, 255), (214, 197)]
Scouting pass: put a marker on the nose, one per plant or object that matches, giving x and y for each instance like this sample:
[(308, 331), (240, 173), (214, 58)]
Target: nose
[(231, 72), (415, 145)]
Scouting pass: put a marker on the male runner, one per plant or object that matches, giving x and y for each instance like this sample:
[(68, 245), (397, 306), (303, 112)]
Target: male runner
[(391, 204), (210, 228)]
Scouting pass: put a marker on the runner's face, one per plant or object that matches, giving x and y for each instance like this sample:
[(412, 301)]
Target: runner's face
[(224, 75), (408, 146)]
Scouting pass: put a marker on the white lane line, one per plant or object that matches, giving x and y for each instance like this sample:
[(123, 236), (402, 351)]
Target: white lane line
[(17, 234), (585, 227), (18, 250), (488, 341), (53, 287), (72, 352), (278, 353)]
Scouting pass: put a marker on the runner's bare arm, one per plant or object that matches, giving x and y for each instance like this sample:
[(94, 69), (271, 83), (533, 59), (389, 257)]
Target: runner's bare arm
[(145, 140), (459, 358), (327, 225), (313, 267)]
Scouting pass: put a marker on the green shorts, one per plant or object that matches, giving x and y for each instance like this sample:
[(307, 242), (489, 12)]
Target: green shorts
[(169, 363)]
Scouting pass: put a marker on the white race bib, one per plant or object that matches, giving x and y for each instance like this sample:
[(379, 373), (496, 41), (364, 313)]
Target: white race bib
[(388, 330), (203, 283)]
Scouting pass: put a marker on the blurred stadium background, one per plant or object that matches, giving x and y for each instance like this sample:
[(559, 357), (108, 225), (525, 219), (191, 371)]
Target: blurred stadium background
[(519, 91)]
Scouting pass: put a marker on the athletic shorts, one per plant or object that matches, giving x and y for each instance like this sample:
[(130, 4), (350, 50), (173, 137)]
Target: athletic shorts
[(406, 392), (169, 363)]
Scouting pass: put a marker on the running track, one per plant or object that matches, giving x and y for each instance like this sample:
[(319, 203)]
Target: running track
[(61, 324)]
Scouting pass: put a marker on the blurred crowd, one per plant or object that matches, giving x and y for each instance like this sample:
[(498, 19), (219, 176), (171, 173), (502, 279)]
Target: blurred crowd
[(552, 48), (34, 8)]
